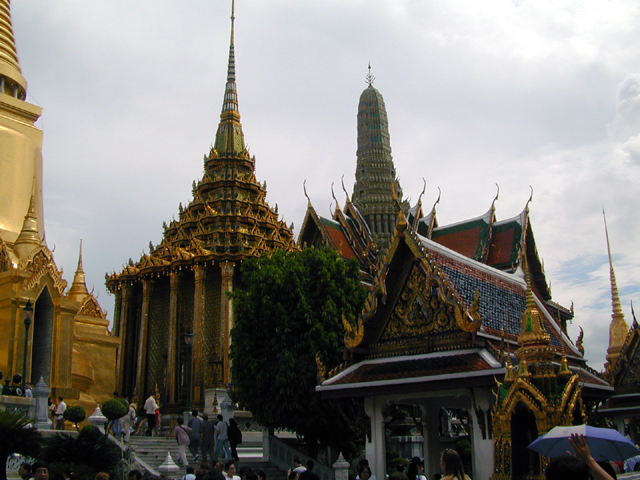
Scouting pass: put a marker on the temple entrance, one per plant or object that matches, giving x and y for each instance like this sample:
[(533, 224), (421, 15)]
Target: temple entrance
[(42, 339), (524, 430)]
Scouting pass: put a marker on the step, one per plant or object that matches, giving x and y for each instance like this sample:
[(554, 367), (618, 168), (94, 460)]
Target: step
[(153, 450)]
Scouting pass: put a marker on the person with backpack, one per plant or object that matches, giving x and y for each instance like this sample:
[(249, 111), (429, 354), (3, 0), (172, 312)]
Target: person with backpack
[(222, 439), (181, 432), (235, 438)]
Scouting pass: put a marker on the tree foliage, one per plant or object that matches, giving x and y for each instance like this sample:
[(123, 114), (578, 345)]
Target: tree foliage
[(90, 452), (75, 414), (114, 409), (289, 308), (17, 436)]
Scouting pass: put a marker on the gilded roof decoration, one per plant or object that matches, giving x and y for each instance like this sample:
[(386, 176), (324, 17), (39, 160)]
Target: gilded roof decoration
[(5, 257), (91, 308), (38, 264), (228, 218), (352, 334)]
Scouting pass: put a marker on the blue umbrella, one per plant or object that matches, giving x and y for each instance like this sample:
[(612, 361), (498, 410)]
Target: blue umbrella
[(605, 444)]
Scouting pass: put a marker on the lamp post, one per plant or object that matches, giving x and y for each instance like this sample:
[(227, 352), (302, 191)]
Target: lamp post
[(28, 312), (188, 339)]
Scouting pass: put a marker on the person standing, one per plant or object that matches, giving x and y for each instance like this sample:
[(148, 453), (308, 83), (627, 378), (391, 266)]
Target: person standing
[(222, 439), (25, 471), (150, 407), (195, 424), (235, 438), (309, 474), (181, 432), (127, 422), (208, 438), (60, 413), (40, 471)]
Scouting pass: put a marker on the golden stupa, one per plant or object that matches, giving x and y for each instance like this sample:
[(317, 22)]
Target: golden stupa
[(68, 343)]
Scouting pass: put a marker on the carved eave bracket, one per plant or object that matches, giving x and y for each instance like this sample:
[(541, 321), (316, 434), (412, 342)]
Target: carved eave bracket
[(352, 335)]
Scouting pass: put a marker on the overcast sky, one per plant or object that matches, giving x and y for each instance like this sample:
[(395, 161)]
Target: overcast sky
[(543, 93)]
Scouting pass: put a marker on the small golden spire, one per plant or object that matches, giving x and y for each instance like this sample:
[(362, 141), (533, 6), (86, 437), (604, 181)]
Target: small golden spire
[(533, 339), (29, 237), (78, 290), (618, 328)]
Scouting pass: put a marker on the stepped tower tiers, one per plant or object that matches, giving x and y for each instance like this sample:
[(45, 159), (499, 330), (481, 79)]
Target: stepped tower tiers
[(183, 285), (618, 329), (376, 188), (21, 140), (68, 343)]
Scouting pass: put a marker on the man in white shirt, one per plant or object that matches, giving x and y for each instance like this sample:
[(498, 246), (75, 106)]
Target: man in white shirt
[(60, 414), (150, 407)]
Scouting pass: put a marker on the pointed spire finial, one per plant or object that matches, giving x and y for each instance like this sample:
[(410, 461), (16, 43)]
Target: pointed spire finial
[(370, 78), (78, 290), (618, 328), (233, 18), (229, 137), (29, 237)]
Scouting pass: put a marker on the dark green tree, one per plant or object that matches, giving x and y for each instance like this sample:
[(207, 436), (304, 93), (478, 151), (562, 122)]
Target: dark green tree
[(75, 414), (289, 308), (113, 409), (90, 452), (15, 438)]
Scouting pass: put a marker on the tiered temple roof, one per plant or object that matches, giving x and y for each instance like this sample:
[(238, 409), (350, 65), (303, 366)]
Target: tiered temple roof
[(228, 218)]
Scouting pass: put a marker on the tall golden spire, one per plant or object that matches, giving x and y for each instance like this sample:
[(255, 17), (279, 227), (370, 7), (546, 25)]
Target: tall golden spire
[(11, 80), (20, 140), (618, 329), (78, 290), (229, 137)]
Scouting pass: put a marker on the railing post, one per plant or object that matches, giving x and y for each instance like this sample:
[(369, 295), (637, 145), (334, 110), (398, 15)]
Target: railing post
[(226, 408), (266, 445), (41, 394), (342, 468)]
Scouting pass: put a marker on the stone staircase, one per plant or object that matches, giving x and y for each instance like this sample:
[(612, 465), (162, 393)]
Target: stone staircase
[(153, 452)]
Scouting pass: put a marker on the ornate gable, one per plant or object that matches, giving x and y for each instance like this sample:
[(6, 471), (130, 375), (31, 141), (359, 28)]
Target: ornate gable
[(419, 310), (91, 308), (38, 264)]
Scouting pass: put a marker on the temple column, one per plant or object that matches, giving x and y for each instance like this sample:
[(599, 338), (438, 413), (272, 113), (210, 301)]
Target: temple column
[(142, 341), (197, 379), (173, 338), (226, 309), (123, 296)]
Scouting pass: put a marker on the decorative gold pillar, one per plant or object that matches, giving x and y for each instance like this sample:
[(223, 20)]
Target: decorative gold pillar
[(142, 342), (173, 338), (123, 296), (226, 308), (197, 379)]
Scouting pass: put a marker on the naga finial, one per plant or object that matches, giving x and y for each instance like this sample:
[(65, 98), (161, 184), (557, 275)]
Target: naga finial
[(344, 189), (579, 341), (304, 187), (334, 197)]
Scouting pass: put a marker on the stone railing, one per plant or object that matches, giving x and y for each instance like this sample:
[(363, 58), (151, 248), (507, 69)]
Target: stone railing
[(22, 405), (282, 455)]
